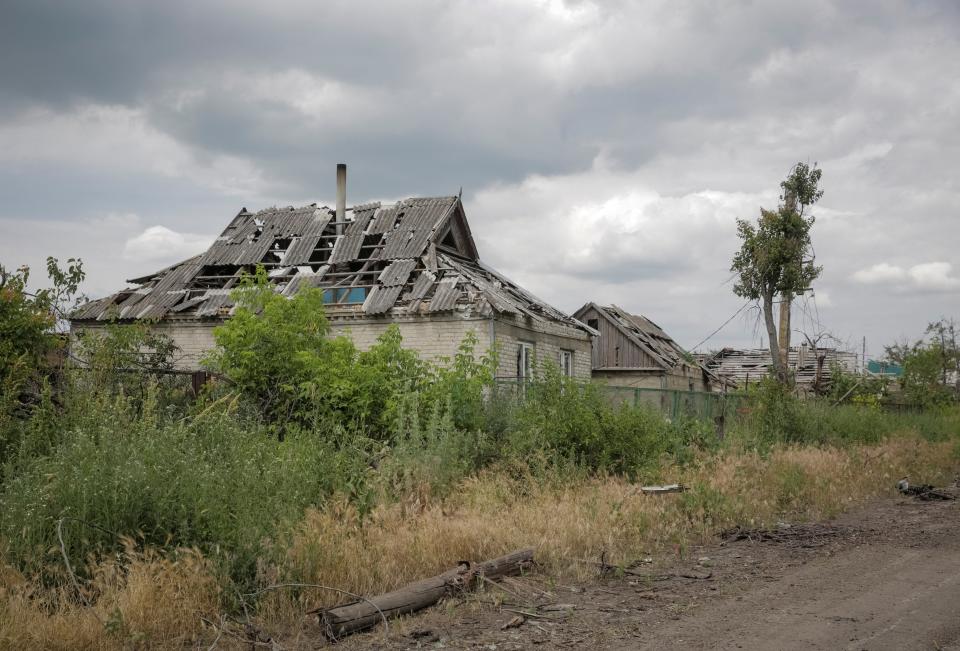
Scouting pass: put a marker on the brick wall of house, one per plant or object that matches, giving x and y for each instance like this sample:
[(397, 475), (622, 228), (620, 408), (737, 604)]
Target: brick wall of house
[(433, 337), (547, 339), (193, 338)]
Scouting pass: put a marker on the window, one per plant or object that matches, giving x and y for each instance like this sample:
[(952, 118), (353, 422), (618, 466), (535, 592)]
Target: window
[(593, 323), (345, 295), (566, 362), (524, 361)]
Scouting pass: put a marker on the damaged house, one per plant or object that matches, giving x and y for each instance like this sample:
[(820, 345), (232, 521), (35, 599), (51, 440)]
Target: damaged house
[(413, 264), (633, 351)]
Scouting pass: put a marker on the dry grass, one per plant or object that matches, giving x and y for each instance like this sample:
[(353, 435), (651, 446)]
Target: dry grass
[(496, 513), (151, 599), (143, 599)]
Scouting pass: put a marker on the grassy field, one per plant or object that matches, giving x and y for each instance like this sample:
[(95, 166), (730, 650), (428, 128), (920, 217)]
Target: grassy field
[(145, 595), (320, 464)]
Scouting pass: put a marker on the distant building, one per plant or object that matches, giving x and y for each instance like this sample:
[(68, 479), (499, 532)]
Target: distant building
[(413, 264), (884, 368), (633, 351), (812, 367)]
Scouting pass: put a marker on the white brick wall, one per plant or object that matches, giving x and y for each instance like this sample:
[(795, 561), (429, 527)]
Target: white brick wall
[(433, 337), (547, 343), (193, 338)]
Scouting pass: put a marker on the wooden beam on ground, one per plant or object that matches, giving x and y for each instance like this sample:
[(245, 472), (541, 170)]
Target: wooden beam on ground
[(360, 615)]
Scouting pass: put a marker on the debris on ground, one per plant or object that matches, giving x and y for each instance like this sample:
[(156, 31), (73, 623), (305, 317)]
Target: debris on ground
[(924, 492), (797, 535), (606, 569), (516, 622), (659, 490)]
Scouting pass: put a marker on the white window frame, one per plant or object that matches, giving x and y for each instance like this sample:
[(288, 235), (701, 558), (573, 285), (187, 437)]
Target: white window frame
[(525, 351), (566, 362)]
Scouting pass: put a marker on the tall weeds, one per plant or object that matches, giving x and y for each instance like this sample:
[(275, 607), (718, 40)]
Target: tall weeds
[(152, 598), (395, 470)]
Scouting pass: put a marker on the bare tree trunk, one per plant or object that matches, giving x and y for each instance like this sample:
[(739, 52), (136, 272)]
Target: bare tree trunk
[(773, 341), (786, 302)]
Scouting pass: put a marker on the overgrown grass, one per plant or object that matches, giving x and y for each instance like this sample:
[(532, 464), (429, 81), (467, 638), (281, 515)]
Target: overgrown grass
[(395, 471), (158, 598), (212, 482)]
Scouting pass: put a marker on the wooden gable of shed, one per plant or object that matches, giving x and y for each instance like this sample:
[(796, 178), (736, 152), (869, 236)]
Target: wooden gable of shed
[(615, 348)]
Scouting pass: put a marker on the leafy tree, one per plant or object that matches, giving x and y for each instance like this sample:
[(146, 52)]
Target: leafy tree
[(273, 347), (29, 320), (278, 352), (931, 366), (126, 358), (775, 258), (943, 335)]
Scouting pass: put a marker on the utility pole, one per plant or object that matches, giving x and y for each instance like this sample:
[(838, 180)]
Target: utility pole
[(864, 358)]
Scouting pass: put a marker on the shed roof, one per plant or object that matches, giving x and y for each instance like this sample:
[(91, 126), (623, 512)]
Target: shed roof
[(646, 335)]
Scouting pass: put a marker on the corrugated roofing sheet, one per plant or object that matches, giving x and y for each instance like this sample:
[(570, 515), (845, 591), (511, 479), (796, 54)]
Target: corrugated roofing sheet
[(397, 272), (214, 304), (406, 231), (301, 250), (158, 304), (361, 218), (446, 296), (381, 299), (383, 220), (417, 223), (347, 248), (421, 286), (305, 279)]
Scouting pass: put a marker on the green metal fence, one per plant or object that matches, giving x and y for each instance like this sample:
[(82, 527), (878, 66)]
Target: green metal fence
[(672, 403)]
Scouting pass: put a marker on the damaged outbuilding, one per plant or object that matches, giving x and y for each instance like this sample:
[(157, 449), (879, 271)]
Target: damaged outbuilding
[(633, 351)]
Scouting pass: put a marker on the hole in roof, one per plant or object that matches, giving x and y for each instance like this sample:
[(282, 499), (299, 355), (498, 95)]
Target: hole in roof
[(320, 254)]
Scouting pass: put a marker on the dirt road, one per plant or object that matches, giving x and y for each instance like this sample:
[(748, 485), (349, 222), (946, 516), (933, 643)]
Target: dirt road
[(899, 591), (884, 576)]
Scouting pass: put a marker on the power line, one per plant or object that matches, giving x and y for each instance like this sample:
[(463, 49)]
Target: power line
[(707, 338)]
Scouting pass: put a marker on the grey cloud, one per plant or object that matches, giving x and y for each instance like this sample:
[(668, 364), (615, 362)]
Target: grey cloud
[(245, 103)]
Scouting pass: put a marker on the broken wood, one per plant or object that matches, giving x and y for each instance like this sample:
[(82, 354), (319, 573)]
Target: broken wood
[(658, 490), (360, 615), (516, 622)]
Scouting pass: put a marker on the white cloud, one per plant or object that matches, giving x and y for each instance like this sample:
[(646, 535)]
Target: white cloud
[(606, 235), (880, 273), (513, 99), (929, 277), (95, 240), (160, 244), (607, 224), (934, 276)]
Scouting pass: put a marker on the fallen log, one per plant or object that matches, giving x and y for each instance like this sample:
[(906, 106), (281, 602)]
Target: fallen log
[(360, 615)]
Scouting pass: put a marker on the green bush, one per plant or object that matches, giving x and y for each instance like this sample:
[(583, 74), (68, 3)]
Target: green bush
[(212, 482)]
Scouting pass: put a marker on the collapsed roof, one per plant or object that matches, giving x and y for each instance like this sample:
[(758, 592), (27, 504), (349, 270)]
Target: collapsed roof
[(811, 366), (413, 257)]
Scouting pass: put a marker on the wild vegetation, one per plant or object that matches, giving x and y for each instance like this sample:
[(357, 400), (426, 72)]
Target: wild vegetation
[(309, 461)]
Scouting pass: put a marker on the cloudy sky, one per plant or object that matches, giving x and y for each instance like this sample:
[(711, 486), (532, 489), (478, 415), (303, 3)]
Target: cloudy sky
[(605, 149)]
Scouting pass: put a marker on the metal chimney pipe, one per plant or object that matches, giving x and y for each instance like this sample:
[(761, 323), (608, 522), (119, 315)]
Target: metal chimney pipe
[(341, 197)]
